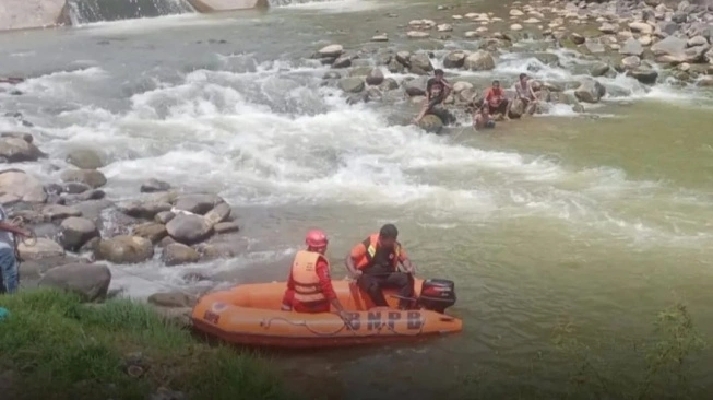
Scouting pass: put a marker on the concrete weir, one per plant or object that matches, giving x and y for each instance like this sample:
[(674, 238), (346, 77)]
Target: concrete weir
[(29, 14)]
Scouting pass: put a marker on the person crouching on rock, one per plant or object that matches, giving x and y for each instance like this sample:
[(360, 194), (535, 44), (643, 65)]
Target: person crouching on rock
[(496, 101), (437, 89), (309, 286), (8, 261), (524, 91)]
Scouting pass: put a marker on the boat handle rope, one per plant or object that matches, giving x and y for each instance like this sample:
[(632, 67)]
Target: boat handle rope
[(28, 241), (267, 322)]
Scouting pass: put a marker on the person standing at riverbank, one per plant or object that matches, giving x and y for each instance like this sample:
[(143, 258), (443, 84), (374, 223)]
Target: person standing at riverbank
[(309, 286), (8, 260), (375, 262)]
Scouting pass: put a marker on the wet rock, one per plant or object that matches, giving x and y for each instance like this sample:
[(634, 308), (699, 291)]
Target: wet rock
[(608, 29), (189, 228), (18, 135), (388, 85), (92, 209), (516, 27), (75, 232), (85, 159), (18, 186), (375, 77), (330, 75), (403, 57), (670, 49), (90, 177), (151, 231), (576, 38), (644, 75), (706, 81), (75, 188), (226, 227), (454, 60), (33, 270), (697, 40), (146, 209), (197, 204), (164, 217), (420, 64), (431, 123), (641, 27), (90, 281), (352, 85), (177, 253), (93, 194), (342, 62), (14, 150), (590, 91), (380, 38), (218, 250), (55, 212), (481, 60), (172, 299), (415, 87), (600, 69), (395, 67), (219, 214), (628, 63), (154, 185), (124, 249), (44, 248), (167, 240), (631, 47), (46, 229), (333, 51), (444, 28), (417, 34)]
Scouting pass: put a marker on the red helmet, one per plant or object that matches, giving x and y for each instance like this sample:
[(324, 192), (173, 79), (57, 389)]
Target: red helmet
[(316, 239)]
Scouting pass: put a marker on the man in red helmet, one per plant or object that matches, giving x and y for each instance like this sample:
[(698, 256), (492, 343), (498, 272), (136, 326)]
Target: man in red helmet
[(309, 287)]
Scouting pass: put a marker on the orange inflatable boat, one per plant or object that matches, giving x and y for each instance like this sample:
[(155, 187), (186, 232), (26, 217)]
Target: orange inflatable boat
[(251, 315)]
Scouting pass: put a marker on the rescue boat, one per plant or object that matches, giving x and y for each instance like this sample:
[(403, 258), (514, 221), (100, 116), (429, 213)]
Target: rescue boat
[(251, 315)]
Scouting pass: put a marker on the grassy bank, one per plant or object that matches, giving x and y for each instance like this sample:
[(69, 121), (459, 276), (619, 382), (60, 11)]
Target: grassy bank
[(51, 346)]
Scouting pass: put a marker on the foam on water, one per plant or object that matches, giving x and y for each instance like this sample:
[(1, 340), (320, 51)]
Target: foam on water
[(269, 133)]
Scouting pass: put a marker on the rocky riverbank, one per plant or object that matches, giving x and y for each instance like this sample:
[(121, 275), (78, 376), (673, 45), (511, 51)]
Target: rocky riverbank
[(78, 226), (650, 41)]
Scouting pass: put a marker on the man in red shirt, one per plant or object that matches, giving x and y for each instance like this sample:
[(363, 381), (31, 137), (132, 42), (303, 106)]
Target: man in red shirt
[(495, 101), (309, 286)]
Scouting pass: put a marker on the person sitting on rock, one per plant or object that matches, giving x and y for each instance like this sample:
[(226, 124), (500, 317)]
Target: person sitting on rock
[(523, 89), (437, 89), (8, 260), (496, 102)]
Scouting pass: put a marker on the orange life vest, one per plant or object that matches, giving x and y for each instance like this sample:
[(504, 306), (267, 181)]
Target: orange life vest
[(304, 273), (372, 243)]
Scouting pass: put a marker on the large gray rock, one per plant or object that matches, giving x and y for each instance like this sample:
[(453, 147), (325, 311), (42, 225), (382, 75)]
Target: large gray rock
[(644, 75), (44, 248), (189, 228), (352, 85), (172, 299), (19, 186), (590, 91), (670, 49), (375, 77), (431, 123), (146, 209), (454, 60), (90, 281), (420, 64), (219, 214), (154, 185), (14, 150), (76, 231), (197, 204), (124, 249), (481, 60), (153, 231), (57, 212), (632, 47), (176, 254), (85, 159), (90, 177)]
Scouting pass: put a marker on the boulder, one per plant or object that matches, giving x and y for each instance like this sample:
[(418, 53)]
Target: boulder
[(197, 204), (644, 75), (14, 150), (219, 214), (375, 77), (177, 253), (150, 230), (628, 63), (226, 227), (415, 87), (172, 299), (44, 248), (164, 217), (218, 250), (124, 249), (420, 64), (154, 185), (454, 60), (631, 47), (641, 27), (590, 91), (85, 159), (90, 281), (18, 186), (670, 49), (146, 209), (352, 85), (76, 231), (577, 39), (18, 135), (481, 60), (189, 228), (33, 270), (56, 212), (90, 177), (331, 51), (431, 123)]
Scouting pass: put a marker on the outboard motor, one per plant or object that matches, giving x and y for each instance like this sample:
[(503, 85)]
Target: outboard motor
[(437, 295)]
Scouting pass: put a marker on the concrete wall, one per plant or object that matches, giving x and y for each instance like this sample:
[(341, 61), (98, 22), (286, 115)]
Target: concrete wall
[(24, 14), (207, 6)]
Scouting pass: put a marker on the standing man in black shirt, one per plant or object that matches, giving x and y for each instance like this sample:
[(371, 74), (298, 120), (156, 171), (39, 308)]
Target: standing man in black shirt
[(437, 89)]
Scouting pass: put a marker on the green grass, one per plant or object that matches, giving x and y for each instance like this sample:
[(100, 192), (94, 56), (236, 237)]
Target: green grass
[(52, 346)]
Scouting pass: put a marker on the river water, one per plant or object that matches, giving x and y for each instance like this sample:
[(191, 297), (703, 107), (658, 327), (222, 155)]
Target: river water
[(597, 222)]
